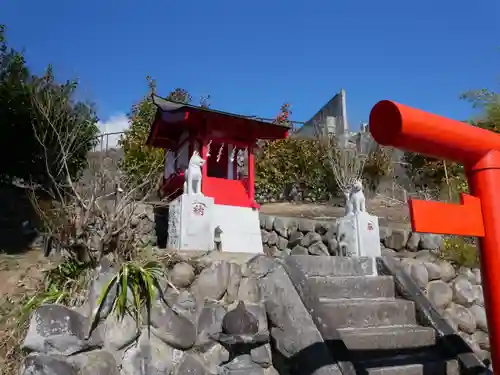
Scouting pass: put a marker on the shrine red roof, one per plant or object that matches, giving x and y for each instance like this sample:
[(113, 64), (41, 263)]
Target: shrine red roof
[(173, 119)]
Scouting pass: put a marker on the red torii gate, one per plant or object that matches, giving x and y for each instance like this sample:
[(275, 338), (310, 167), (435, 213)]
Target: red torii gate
[(410, 129)]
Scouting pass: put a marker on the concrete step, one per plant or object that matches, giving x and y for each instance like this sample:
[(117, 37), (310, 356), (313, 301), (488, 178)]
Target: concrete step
[(335, 266), (427, 368), (353, 286), (364, 313), (388, 338)]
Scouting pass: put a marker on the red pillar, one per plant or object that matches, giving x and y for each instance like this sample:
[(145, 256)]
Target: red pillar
[(251, 174), (204, 152), (484, 180)]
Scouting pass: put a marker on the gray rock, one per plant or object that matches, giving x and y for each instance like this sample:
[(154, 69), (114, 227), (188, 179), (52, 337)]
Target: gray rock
[(271, 371), (388, 252), (463, 317), (467, 273), (150, 356), (321, 227), (262, 220), (191, 365), (56, 329), (214, 357), (282, 243), (480, 316), (97, 362), (426, 256), (240, 321), (333, 246), (433, 270), (233, 284), (259, 311), (175, 330), (478, 293), (262, 355), (419, 273), (103, 275), (477, 274), (295, 239), (384, 232), (249, 290), (299, 250), (269, 223), (447, 271), (449, 318), (430, 241), (242, 365), (185, 304), (119, 332), (292, 226), (41, 364), (264, 235), (482, 339), (294, 328), (212, 281), (463, 292), (468, 339), (182, 275), (318, 248), (397, 239), (306, 225), (209, 323), (413, 241), (272, 238), (310, 238), (280, 226), (439, 293)]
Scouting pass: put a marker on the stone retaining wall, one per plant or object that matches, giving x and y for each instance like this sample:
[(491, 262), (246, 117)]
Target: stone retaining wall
[(184, 325), (455, 291)]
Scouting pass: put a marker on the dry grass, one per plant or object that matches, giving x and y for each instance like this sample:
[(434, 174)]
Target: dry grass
[(21, 277)]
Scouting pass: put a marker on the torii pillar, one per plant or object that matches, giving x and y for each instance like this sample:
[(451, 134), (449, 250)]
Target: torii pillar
[(406, 128)]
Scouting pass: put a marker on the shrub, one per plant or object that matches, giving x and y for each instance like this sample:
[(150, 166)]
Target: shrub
[(290, 162), (461, 251)]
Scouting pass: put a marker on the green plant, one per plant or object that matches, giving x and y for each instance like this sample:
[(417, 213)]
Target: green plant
[(136, 286), (62, 284), (461, 251), (291, 161)]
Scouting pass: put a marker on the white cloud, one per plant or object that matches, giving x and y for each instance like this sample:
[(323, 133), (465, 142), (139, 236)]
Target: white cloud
[(114, 124)]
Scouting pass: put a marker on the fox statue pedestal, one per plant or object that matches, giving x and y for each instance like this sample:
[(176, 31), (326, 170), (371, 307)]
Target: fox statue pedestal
[(358, 232), (190, 223)]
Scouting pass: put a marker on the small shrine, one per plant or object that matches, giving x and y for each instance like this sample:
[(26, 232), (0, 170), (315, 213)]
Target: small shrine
[(209, 175)]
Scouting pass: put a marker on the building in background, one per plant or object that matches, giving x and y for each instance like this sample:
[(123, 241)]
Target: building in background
[(330, 119)]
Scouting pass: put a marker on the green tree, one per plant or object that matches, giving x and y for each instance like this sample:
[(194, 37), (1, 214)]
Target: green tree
[(430, 172), (37, 114), (138, 158)]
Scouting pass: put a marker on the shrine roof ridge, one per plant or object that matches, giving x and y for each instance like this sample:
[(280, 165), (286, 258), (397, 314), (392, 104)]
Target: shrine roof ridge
[(171, 106)]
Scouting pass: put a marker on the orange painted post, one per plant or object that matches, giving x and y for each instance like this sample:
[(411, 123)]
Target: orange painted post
[(393, 124)]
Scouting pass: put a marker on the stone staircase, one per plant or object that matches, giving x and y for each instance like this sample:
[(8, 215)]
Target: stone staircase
[(380, 330)]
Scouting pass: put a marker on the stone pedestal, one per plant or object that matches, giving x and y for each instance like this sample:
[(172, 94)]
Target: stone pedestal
[(358, 235), (190, 223)]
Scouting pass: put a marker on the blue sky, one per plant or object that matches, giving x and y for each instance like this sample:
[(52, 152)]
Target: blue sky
[(253, 56)]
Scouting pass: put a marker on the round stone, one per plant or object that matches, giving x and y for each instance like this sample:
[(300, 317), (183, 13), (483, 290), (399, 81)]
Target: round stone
[(240, 321), (182, 275)]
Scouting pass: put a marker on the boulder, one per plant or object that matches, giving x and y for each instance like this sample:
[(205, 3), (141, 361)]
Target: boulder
[(212, 282), (182, 275), (56, 329)]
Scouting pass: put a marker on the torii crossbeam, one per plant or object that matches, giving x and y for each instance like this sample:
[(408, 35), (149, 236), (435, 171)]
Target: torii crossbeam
[(410, 129)]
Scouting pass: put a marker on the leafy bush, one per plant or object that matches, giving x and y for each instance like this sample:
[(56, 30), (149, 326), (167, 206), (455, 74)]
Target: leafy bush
[(461, 251), (293, 161)]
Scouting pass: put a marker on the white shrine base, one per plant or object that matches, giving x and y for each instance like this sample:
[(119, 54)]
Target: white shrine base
[(193, 219), (358, 234), (241, 228)]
